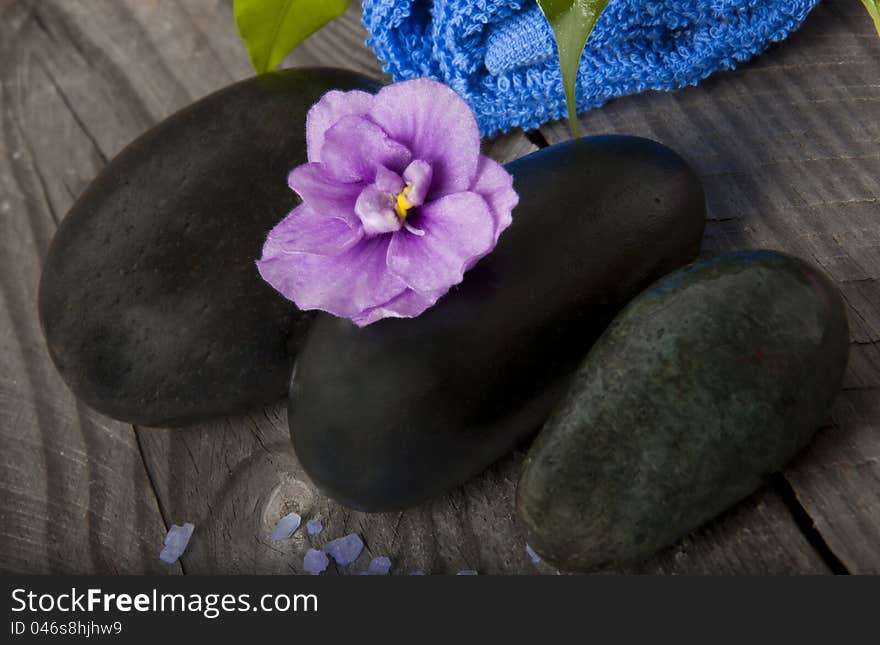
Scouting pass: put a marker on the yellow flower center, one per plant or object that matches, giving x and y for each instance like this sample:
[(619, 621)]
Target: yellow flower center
[(403, 205)]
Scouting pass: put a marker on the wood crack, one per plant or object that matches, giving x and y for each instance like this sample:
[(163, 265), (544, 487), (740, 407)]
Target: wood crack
[(537, 138), (41, 180), (153, 487), (806, 524), (74, 113)]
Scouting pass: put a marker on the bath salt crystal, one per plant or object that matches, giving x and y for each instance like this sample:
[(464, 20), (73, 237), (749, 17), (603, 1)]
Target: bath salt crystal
[(286, 527), (345, 550), (314, 527), (535, 558), (379, 566), (417, 573), (467, 572), (315, 561), (176, 542)]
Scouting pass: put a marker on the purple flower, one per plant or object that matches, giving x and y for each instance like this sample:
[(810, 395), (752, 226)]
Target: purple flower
[(398, 203)]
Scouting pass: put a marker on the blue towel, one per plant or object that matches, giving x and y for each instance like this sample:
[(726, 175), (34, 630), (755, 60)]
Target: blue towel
[(501, 57)]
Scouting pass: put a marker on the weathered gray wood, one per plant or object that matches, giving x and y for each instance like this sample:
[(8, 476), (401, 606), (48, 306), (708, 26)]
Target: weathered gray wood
[(236, 485), (237, 477), (787, 147), (74, 493), (81, 78), (339, 44), (837, 479)]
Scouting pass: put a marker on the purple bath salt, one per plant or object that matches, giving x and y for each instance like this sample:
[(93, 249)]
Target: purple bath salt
[(379, 566), (286, 527), (417, 572), (314, 527), (535, 558), (315, 562), (467, 572), (176, 542), (345, 550)]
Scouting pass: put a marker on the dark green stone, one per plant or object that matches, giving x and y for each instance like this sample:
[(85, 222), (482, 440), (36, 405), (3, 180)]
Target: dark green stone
[(400, 411), (712, 378), (151, 304)]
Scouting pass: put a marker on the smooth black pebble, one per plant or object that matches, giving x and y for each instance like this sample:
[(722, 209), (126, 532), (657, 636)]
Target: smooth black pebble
[(150, 301), (708, 381), (395, 413)]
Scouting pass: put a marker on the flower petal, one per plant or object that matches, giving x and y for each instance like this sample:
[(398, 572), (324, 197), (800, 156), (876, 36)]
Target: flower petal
[(436, 125), (408, 304), (418, 176), (333, 106), (354, 147), (375, 208), (458, 229), (305, 230), (495, 185), (323, 194), (389, 181), (343, 285)]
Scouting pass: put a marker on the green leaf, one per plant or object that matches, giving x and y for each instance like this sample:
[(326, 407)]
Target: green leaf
[(271, 29), (572, 22), (873, 7)]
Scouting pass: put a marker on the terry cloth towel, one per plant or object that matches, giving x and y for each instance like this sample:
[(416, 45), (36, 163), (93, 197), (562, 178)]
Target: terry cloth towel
[(500, 55)]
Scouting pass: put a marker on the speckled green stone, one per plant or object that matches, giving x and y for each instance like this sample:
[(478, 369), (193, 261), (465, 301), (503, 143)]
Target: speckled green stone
[(712, 378)]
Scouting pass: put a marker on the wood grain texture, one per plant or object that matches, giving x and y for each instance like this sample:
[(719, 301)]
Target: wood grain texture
[(788, 147), (235, 485), (80, 79), (74, 493), (236, 478)]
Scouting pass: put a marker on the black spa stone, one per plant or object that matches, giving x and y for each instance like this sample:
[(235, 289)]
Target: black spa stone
[(151, 304), (393, 414), (708, 381)]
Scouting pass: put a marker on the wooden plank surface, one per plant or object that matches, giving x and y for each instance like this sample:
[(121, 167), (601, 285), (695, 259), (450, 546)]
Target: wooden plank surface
[(74, 493), (788, 147), (81, 78)]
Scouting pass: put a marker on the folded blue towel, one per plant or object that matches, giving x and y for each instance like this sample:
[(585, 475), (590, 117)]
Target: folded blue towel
[(501, 57)]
